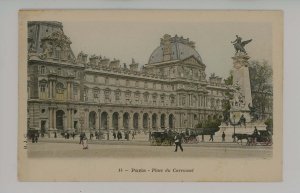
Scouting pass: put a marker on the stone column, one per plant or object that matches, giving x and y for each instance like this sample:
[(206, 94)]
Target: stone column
[(72, 119), (50, 89), (53, 90), (109, 121), (130, 117), (150, 121), (68, 118), (167, 121), (50, 118), (120, 121), (159, 121), (71, 90), (86, 117), (140, 121), (68, 90), (54, 118), (97, 121)]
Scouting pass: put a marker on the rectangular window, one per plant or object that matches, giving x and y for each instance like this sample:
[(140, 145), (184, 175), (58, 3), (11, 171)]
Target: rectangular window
[(59, 71), (96, 94), (42, 69), (43, 88), (75, 89)]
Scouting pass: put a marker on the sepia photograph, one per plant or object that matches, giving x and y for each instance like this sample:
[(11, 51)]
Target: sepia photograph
[(150, 95)]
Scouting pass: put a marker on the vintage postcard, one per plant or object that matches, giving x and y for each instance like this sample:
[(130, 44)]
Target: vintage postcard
[(150, 95)]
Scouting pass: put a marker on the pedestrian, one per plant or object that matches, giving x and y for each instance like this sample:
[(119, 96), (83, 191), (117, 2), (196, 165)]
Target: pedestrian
[(119, 135), (66, 135), (55, 135), (133, 134), (85, 143), (96, 135), (32, 137), (202, 138), (211, 137), (114, 134), (255, 134), (223, 137), (36, 136), (178, 142), (81, 138)]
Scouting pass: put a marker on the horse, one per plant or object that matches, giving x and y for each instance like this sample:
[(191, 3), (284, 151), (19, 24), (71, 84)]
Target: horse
[(240, 137)]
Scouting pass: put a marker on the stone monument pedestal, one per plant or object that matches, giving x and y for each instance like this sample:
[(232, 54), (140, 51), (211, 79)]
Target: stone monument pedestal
[(229, 130)]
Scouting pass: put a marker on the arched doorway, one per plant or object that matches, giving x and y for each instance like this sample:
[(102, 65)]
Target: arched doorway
[(115, 120), (136, 121), (171, 121), (154, 121), (92, 120), (163, 121), (145, 120), (60, 119), (104, 120), (126, 120)]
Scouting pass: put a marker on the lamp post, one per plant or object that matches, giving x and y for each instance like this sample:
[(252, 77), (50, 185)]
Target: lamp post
[(234, 128)]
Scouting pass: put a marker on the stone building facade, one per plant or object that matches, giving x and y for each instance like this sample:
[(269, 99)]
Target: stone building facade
[(95, 93)]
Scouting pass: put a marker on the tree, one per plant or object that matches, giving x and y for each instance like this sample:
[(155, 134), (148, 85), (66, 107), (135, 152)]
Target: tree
[(228, 96), (261, 88)]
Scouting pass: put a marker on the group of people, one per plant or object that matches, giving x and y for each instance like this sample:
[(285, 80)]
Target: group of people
[(118, 135), (34, 137)]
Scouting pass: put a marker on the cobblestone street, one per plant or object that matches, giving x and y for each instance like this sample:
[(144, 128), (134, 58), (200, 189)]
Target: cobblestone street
[(72, 148)]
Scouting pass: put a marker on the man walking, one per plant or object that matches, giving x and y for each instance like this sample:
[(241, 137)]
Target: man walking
[(211, 137), (178, 142), (223, 137)]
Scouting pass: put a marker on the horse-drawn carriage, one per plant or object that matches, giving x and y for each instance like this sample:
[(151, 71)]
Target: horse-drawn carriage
[(260, 137), (159, 138), (189, 136), (264, 137)]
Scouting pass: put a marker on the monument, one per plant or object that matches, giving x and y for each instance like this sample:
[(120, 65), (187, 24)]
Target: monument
[(242, 98), (240, 118)]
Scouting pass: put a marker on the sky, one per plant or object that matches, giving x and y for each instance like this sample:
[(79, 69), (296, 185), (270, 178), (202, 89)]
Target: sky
[(127, 40)]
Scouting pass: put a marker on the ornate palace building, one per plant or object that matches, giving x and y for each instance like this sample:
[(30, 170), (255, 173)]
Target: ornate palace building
[(69, 93)]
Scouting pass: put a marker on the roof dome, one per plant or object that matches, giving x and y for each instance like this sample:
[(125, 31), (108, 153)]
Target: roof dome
[(173, 48)]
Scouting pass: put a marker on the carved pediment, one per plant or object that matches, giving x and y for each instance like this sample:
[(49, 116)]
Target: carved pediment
[(192, 60), (57, 46)]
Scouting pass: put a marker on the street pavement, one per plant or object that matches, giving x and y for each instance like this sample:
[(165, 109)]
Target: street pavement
[(59, 147)]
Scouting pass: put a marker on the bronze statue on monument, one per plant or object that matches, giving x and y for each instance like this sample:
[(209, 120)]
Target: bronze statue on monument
[(239, 44)]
